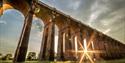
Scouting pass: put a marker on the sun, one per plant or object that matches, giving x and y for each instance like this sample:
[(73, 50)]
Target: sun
[(85, 51)]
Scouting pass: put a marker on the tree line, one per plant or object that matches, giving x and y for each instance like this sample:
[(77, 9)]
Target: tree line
[(30, 57)]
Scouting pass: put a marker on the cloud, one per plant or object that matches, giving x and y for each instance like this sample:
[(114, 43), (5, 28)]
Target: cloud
[(97, 9), (3, 22), (104, 15), (108, 16), (75, 5), (107, 9), (106, 31)]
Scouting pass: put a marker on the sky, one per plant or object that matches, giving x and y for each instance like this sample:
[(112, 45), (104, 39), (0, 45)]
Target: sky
[(11, 23), (107, 16)]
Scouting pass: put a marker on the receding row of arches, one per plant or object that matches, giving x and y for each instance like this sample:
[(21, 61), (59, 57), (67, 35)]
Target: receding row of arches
[(73, 36), (64, 37)]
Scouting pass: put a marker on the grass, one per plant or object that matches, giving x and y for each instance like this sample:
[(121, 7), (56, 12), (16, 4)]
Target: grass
[(109, 61), (10, 61)]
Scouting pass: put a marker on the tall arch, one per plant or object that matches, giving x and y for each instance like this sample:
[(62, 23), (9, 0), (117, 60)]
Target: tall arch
[(11, 28), (47, 51), (35, 36)]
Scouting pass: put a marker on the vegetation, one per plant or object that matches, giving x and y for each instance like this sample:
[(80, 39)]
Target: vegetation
[(111, 61), (31, 56), (7, 57), (0, 56)]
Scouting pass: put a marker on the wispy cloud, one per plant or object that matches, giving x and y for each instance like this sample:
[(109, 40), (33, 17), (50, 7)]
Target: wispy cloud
[(107, 31), (99, 7), (3, 22), (75, 5), (108, 16)]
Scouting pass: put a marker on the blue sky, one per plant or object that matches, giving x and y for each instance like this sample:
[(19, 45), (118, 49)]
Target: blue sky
[(9, 30), (11, 23), (107, 16)]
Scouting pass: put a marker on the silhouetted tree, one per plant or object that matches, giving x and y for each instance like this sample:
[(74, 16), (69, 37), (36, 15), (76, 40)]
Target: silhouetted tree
[(0, 56), (7, 57), (31, 56)]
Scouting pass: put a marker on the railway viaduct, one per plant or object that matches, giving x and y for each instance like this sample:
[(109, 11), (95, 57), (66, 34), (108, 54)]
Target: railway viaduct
[(73, 35)]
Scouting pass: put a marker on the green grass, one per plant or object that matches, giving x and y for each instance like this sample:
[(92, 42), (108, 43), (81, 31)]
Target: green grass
[(110, 61), (9, 61)]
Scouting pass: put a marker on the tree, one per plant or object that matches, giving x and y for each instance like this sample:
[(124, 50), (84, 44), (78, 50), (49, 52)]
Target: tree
[(31, 56), (0, 56), (7, 57)]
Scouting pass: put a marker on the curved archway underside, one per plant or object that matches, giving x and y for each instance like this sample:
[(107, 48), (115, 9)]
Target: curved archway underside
[(96, 44)]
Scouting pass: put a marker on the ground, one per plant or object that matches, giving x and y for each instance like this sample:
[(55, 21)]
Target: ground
[(110, 61)]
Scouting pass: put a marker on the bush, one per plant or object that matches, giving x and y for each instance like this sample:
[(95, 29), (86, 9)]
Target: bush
[(31, 56), (7, 57)]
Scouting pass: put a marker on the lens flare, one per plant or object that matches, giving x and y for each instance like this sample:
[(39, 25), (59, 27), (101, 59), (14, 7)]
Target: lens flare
[(86, 53)]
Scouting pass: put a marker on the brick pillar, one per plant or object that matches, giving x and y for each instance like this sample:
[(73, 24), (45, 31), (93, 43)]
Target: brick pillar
[(61, 47), (50, 41), (65, 44), (74, 46), (22, 47), (47, 46), (44, 45), (80, 43)]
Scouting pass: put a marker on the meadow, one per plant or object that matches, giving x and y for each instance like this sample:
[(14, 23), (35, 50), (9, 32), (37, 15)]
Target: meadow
[(109, 61)]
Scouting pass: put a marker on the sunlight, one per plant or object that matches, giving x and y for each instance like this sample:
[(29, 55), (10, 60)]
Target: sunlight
[(64, 42), (85, 46), (5, 7), (76, 47), (85, 52)]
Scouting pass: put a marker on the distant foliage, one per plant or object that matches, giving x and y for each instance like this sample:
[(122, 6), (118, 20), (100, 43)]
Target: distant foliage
[(7, 57), (0, 56), (31, 56)]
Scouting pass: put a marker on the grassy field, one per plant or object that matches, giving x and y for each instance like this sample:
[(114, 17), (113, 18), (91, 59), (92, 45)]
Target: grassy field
[(110, 61)]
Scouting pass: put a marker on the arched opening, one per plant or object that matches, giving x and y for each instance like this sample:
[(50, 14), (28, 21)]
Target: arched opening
[(35, 37), (76, 44), (56, 40), (49, 43), (11, 23)]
